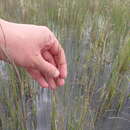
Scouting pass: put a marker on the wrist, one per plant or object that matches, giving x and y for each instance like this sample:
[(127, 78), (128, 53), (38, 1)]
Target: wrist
[(2, 40)]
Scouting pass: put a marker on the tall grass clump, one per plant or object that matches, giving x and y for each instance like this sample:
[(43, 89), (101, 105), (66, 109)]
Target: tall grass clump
[(96, 38)]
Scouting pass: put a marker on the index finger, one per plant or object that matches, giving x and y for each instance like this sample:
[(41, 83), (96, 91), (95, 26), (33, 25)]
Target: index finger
[(59, 55)]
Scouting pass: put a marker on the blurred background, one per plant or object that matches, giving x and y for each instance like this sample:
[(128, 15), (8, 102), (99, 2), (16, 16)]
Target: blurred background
[(96, 37)]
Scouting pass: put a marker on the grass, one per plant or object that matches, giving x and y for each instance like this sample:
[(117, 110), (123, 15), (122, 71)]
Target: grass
[(96, 38)]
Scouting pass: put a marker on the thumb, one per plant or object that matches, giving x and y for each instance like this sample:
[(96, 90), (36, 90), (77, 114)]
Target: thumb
[(46, 68)]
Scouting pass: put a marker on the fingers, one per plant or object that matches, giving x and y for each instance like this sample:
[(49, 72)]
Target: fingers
[(44, 79), (38, 77), (56, 81), (51, 82), (52, 65), (48, 83), (46, 68), (60, 59), (60, 82), (48, 57), (61, 62)]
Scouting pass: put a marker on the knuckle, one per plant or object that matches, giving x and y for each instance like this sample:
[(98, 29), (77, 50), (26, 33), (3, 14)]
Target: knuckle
[(48, 37), (46, 29)]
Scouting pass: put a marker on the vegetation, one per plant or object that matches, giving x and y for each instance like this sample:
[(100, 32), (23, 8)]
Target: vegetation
[(96, 38)]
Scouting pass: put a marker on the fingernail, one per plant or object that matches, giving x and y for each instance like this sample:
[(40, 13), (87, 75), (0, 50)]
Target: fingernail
[(56, 74)]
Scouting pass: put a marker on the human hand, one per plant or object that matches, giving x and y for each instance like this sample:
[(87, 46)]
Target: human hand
[(37, 50)]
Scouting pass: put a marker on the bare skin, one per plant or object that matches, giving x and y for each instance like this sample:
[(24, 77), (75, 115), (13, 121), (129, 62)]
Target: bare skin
[(37, 50)]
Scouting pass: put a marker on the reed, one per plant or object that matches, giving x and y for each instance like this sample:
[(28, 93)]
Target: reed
[(96, 38)]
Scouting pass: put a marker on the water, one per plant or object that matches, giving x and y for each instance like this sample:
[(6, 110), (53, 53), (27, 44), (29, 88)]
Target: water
[(43, 103)]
